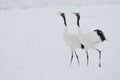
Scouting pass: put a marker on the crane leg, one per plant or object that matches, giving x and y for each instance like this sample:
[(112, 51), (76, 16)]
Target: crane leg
[(77, 57), (99, 57), (71, 58), (87, 58)]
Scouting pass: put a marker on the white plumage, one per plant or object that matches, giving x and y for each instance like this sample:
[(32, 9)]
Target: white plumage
[(90, 39), (72, 40)]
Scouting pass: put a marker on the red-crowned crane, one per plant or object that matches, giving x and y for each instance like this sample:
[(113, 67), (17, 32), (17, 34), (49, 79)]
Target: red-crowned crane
[(90, 39), (72, 40)]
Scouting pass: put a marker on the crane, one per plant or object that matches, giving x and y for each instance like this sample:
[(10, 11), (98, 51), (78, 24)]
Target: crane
[(72, 40), (90, 39)]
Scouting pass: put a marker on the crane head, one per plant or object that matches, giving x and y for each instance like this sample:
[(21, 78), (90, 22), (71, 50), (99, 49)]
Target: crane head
[(61, 14), (77, 14), (78, 18)]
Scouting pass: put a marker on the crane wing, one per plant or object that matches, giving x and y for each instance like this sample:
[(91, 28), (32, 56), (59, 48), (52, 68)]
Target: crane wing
[(92, 37)]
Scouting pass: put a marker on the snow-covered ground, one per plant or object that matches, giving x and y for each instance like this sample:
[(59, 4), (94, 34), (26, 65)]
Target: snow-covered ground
[(8, 4), (32, 47)]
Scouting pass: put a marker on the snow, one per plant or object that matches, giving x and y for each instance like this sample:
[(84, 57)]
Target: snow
[(9, 4), (32, 46)]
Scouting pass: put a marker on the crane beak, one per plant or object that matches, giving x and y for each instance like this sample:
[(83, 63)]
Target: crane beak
[(74, 13), (59, 13)]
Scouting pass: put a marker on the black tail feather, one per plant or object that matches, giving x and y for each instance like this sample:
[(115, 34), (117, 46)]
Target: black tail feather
[(100, 34)]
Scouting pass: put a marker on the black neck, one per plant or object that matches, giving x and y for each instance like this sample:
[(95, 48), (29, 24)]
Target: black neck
[(78, 19), (64, 20)]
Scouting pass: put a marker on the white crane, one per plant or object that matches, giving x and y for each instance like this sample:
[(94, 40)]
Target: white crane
[(90, 39), (72, 40)]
